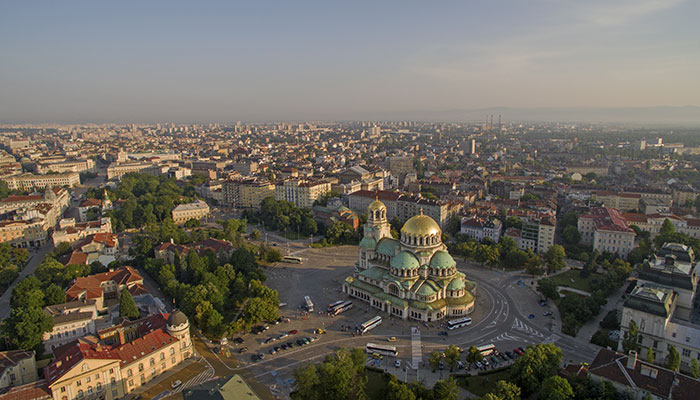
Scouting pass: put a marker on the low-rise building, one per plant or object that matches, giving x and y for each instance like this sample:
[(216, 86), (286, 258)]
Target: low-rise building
[(168, 250), (480, 228), (17, 367), (104, 288), (606, 230), (120, 359), (71, 321), (26, 182), (184, 212), (70, 231)]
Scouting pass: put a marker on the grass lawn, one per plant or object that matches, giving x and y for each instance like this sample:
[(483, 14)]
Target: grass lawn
[(482, 384), (565, 279)]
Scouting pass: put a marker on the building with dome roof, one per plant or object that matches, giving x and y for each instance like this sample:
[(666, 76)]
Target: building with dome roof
[(413, 277)]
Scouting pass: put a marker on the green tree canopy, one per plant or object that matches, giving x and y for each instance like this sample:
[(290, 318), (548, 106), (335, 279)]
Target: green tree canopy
[(539, 362), (54, 295), (555, 257), (548, 288), (474, 355), (631, 340), (25, 327), (556, 388), (446, 389), (673, 359), (127, 306)]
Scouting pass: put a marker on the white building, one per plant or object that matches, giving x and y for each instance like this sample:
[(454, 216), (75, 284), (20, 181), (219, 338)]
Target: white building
[(479, 228)]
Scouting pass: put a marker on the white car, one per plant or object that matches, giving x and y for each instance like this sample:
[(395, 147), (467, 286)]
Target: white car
[(176, 384), (397, 363)]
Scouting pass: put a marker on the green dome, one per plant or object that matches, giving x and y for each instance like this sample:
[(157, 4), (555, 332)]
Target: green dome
[(456, 284), (388, 247), (368, 243), (427, 290), (405, 260), (442, 259)]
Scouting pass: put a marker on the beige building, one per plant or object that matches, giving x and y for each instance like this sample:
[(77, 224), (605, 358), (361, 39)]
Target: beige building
[(23, 233), (43, 167), (120, 359), (69, 231), (606, 230), (71, 321), (32, 182), (117, 170), (247, 193), (301, 193), (621, 201), (185, 212), (17, 367), (405, 206)]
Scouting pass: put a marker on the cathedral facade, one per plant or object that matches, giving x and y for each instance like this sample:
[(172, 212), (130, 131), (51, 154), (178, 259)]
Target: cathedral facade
[(413, 277)]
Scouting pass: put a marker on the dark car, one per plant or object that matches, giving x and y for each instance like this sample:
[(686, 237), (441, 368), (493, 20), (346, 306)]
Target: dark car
[(238, 340), (277, 348), (254, 357), (510, 355), (290, 345), (261, 356), (300, 342), (243, 350), (442, 333)]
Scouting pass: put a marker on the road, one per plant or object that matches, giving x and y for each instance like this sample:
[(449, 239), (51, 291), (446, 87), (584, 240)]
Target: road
[(36, 257)]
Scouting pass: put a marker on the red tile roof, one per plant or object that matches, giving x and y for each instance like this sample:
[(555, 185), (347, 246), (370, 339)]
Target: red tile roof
[(32, 391), (92, 285), (608, 219)]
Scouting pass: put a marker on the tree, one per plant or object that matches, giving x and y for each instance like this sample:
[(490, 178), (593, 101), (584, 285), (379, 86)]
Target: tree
[(548, 288), (192, 223), (673, 360), (127, 306), (452, 355), (255, 235), (539, 362), (650, 354), (27, 294), (54, 295), (556, 388), (694, 368), (555, 257), (474, 355), (434, 360), (446, 389), (25, 327), (571, 235), (507, 391), (397, 390), (306, 381), (514, 222), (667, 228), (630, 342)]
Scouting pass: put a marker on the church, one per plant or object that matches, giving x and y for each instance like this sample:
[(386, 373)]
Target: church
[(411, 278)]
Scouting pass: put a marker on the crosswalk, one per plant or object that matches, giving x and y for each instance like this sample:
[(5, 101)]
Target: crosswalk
[(416, 353), (202, 377), (523, 327)]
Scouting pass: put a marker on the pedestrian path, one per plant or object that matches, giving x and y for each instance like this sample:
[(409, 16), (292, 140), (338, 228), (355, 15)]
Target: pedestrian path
[(417, 353)]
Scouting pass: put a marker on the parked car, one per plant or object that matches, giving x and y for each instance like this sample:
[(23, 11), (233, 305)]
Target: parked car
[(283, 335), (273, 351), (547, 313), (176, 384), (238, 340), (510, 355), (254, 357), (261, 356), (517, 351), (284, 346), (391, 339), (460, 365), (290, 345), (293, 332), (243, 350), (397, 363), (277, 348), (521, 350), (478, 364), (441, 365), (300, 342)]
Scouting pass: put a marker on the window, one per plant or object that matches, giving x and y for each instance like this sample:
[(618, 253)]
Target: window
[(63, 389), (115, 394), (140, 367), (78, 383), (172, 360), (87, 379), (131, 382), (162, 366), (89, 389), (97, 376), (80, 394), (129, 373), (162, 356), (99, 386), (686, 353), (111, 370), (172, 351)]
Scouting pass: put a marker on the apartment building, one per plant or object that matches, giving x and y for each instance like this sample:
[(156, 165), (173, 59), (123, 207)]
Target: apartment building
[(117, 170), (247, 193), (405, 206), (620, 201), (480, 228), (664, 307), (26, 182), (606, 230), (62, 166), (301, 193), (71, 321)]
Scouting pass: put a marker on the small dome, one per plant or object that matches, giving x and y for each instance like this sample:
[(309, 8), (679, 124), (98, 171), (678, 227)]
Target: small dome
[(177, 318), (421, 225), (427, 290), (405, 260), (456, 284), (376, 205), (442, 259), (368, 243)]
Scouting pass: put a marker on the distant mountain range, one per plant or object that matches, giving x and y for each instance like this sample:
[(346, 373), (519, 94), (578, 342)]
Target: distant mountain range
[(683, 115)]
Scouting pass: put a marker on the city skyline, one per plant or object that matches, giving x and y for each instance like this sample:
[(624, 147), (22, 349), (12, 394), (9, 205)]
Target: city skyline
[(84, 62)]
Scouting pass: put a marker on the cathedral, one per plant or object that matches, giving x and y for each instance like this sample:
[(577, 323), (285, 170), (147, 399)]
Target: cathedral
[(411, 278)]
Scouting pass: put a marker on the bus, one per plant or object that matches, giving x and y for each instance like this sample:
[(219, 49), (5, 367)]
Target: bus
[(458, 323), (292, 259), (487, 349), (371, 324), (381, 349), (344, 306), (335, 304), (309, 304)]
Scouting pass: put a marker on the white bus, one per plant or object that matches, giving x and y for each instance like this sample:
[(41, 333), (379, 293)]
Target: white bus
[(458, 323), (292, 259), (381, 349), (344, 306), (371, 324), (487, 349), (335, 304), (309, 304)]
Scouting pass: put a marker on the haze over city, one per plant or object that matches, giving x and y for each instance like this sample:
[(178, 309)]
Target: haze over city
[(261, 61)]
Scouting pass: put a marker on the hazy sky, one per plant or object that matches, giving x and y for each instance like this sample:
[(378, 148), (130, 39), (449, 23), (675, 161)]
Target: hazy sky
[(262, 60)]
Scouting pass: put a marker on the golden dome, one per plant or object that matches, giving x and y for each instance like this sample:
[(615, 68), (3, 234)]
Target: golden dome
[(421, 225), (376, 205)]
